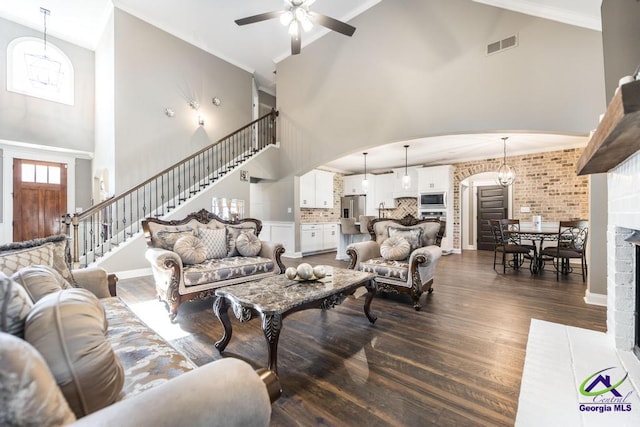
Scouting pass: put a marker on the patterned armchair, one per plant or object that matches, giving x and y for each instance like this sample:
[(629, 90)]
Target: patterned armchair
[(402, 253)]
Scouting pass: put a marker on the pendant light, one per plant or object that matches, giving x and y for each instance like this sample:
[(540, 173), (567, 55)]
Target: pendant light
[(506, 173), (406, 179), (365, 181)]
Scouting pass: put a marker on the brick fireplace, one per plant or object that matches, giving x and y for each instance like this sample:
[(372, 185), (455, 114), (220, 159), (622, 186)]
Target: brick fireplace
[(623, 220)]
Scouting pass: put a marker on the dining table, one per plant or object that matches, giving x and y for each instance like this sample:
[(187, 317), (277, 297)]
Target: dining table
[(537, 236)]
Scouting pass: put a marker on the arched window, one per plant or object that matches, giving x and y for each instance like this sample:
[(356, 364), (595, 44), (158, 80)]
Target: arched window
[(39, 70)]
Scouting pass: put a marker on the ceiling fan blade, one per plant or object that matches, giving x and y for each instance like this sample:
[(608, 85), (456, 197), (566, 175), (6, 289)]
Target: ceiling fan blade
[(296, 42), (259, 18), (332, 24)]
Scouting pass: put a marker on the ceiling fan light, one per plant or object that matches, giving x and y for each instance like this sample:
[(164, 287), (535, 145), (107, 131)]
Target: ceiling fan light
[(294, 29), (307, 25), (299, 13), (286, 18)]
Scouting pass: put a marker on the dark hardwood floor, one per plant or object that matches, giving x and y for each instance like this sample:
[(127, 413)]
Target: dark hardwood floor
[(458, 362)]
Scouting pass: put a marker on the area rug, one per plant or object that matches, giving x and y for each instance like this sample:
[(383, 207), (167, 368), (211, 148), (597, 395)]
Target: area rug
[(575, 377)]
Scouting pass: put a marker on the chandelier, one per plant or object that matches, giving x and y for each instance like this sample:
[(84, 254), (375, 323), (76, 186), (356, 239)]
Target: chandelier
[(43, 71), (506, 173)]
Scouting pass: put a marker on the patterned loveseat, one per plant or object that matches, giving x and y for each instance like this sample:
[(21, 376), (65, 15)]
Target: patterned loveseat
[(72, 353), (403, 253), (192, 257)]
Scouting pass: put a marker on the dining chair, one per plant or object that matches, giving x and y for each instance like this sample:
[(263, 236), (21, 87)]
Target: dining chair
[(572, 244), (507, 242)]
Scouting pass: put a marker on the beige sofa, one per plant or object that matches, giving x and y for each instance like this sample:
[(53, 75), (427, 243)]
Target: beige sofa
[(69, 355), (406, 267), (188, 274)]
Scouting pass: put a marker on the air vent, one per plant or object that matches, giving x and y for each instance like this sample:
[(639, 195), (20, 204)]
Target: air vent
[(506, 43)]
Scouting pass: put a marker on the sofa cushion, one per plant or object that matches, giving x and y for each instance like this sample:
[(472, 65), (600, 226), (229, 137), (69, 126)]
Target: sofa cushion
[(10, 262), (167, 236), (15, 305), (190, 249), (395, 248), (29, 394), (40, 280), (413, 236), (215, 270), (233, 231), (248, 244), (146, 357), (59, 260), (69, 328), (398, 270), (215, 240)]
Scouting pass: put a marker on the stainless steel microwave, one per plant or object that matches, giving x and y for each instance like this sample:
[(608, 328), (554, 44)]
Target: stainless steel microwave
[(435, 200)]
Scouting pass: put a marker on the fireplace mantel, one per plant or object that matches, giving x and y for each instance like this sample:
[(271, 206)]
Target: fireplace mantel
[(618, 134)]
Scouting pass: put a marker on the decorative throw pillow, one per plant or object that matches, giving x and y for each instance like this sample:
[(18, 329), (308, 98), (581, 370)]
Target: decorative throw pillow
[(395, 248), (215, 241), (40, 280), (248, 244), (29, 393), (15, 260), (69, 329), (190, 249), (233, 231), (413, 236), (59, 254), (168, 236), (15, 305)]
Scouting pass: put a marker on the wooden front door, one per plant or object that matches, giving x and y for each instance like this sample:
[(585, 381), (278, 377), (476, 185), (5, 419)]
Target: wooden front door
[(493, 203), (39, 199)]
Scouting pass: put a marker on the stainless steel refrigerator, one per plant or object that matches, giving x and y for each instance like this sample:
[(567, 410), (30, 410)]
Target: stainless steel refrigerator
[(353, 206)]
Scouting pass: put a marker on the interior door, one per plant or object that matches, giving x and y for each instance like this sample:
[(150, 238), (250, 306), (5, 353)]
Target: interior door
[(493, 203), (39, 199)]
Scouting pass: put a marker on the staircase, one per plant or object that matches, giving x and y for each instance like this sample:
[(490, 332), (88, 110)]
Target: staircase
[(102, 228)]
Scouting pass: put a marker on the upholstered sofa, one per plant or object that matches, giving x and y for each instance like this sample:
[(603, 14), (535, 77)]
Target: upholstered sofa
[(69, 355), (192, 257), (403, 253)]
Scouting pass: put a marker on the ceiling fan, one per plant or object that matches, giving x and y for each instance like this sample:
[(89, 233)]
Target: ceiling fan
[(297, 16)]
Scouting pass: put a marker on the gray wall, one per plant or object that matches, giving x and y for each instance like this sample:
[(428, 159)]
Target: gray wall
[(155, 70), (620, 39), (83, 183), (597, 243), (38, 121), (417, 68)]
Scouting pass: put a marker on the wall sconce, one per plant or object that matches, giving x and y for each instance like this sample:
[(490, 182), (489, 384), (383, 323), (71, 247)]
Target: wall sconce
[(216, 101), (169, 112)]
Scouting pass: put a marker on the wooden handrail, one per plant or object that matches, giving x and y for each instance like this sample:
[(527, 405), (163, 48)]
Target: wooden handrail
[(112, 221)]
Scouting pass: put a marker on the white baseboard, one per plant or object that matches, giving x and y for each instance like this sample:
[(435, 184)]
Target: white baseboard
[(130, 274), (595, 299), (292, 255)]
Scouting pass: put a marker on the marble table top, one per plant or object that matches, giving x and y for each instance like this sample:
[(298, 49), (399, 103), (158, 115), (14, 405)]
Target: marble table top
[(277, 294)]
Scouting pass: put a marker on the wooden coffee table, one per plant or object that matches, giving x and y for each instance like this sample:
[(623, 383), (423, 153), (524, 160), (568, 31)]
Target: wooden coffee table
[(274, 298)]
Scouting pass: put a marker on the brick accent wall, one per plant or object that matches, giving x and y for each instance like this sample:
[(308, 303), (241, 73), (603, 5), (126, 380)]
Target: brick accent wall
[(315, 215), (546, 182)]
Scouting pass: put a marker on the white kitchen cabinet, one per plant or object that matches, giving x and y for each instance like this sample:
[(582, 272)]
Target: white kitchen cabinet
[(316, 190), (329, 236), (318, 237), (412, 191), (384, 191), (353, 184), (435, 178), (280, 232)]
